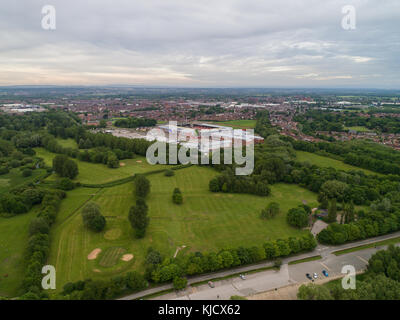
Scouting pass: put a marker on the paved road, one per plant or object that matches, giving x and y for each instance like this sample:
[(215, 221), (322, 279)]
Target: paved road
[(271, 279)]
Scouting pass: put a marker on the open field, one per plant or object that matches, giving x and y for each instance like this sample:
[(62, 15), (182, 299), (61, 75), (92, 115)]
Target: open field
[(13, 242), (205, 221), (67, 143), (94, 173), (237, 124), (329, 162), (15, 178), (358, 128)]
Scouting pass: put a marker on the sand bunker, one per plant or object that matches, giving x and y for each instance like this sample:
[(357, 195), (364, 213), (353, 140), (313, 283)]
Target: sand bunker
[(127, 257), (139, 161), (93, 255), (96, 270), (122, 164)]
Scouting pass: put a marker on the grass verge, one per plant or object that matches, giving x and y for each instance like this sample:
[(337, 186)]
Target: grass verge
[(367, 246), (313, 258)]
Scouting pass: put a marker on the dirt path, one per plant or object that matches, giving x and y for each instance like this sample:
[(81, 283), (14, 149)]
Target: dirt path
[(179, 249)]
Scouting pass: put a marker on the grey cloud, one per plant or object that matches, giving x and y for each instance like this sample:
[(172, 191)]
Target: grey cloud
[(201, 43)]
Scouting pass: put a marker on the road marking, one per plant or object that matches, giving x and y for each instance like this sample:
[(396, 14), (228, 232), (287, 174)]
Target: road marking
[(325, 266), (362, 259)]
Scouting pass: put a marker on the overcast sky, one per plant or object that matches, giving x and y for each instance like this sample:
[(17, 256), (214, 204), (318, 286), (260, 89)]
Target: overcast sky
[(201, 43)]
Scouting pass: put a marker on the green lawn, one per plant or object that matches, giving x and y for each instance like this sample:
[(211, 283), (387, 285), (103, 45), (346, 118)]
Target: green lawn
[(318, 257), (328, 162), (13, 242), (358, 128), (237, 124), (205, 221), (94, 173), (67, 143)]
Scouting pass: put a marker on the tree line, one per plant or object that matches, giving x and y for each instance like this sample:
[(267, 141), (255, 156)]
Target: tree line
[(39, 245), (135, 122), (159, 269)]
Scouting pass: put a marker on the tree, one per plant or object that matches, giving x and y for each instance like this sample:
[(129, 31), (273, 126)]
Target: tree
[(138, 218), (65, 167), (58, 163), (270, 211), (334, 189), (112, 160), (70, 169), (142, 186), (180, 283), (92, 217), (33, 196), (348, 212), (332, 211), (297, 217), (177, 197)]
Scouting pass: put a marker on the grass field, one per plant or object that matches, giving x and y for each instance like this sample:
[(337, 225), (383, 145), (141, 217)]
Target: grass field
[(14, 178), (204, 222), (13, 241), (328, 162), (237, 124), (68, 143), (358, 128), (94, 173)]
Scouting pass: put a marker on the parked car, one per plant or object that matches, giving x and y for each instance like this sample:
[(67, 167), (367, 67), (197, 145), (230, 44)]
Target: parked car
[(308, 276), (211, 284), (325, 273), (242, 276), (315, 275)]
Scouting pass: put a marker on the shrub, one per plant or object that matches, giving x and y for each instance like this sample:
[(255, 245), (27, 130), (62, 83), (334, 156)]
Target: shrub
[(65, 184), (26, 173), (177, 197), (10, 203), (33, 196), (180, 283), (169, 173), (297, 217), (270, 211), (38, 225)]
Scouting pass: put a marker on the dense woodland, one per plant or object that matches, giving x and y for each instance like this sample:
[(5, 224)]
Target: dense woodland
[(319, 120)]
